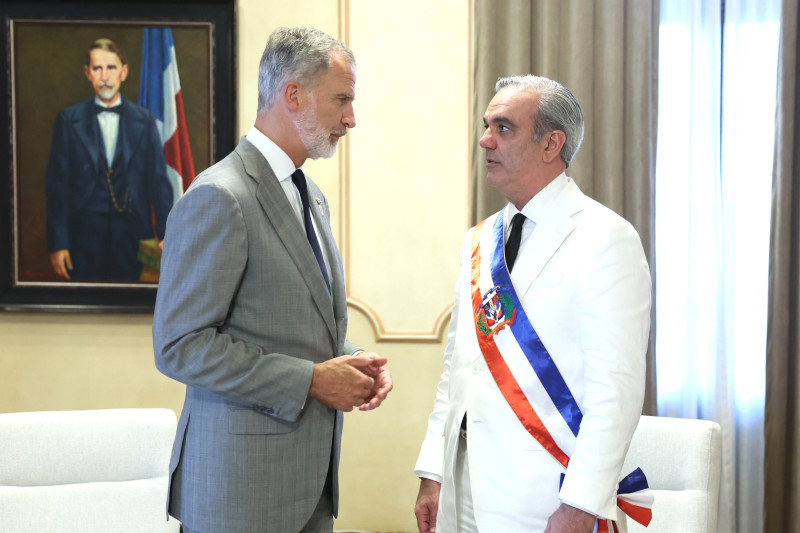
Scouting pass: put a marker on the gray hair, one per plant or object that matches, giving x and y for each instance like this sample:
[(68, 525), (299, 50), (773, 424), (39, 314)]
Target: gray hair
[(301, 54), (557, 109)]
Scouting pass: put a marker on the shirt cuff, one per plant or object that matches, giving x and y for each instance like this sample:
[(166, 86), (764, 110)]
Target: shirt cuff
[(428, 475)]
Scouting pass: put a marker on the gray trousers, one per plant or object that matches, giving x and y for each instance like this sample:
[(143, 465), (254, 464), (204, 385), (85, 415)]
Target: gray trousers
[(321, 520)]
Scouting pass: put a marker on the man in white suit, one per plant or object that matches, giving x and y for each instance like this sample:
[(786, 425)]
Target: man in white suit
[(251, 312), (544, 369)]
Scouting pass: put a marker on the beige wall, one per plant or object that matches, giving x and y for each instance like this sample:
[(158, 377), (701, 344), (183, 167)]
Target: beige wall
[(400, 187)]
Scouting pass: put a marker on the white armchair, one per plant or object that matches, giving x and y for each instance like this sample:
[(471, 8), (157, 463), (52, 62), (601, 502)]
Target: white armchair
[(681, 459), (86, 471)]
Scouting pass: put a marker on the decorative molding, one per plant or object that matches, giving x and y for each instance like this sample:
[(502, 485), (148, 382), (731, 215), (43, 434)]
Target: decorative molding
[(381, 335), (436, 332), (470, 111)]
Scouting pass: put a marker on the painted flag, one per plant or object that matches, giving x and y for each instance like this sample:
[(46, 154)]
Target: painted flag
[(160, 92)]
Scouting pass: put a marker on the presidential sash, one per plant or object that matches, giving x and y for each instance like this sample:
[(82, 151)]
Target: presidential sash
[(525, 373)]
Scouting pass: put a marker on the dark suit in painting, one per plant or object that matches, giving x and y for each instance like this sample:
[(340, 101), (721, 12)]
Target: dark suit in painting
[(101, 214)]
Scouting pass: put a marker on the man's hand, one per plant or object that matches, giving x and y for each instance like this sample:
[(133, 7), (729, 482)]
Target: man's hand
[(383, 380), (427, 505), (568, 519), (342, 382), (61, 263)]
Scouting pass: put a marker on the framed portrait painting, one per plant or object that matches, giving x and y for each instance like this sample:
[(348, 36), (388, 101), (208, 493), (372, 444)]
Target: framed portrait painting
[(113, 108)]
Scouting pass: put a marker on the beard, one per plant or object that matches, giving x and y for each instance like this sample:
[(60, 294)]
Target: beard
[(313, 135), (106, 92)]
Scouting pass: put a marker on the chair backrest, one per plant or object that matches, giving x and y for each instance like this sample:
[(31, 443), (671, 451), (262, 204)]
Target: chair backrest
[(681, 459), (86, 471)]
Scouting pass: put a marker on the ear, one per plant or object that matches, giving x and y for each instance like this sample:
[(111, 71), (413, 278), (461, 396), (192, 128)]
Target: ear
[(293, 95), (123, 73), (553, 143), (88, 72)]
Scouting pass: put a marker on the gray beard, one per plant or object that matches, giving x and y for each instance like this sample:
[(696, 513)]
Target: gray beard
[(314, 137), (106, 94)]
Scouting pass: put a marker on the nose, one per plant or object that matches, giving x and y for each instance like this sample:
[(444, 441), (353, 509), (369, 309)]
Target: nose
[(487, 141), (349, 117)]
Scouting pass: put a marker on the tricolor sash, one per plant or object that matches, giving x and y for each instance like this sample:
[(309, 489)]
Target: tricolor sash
[(524, 371)]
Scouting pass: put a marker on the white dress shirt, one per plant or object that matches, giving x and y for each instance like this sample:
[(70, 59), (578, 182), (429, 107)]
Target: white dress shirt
[(109, 127), (283, 168)]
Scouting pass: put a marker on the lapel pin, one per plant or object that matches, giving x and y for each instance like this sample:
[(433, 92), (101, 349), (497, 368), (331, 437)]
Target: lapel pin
[(319, 204)]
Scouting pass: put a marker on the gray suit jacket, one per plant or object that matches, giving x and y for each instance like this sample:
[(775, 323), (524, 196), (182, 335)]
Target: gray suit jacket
[(242, 314)]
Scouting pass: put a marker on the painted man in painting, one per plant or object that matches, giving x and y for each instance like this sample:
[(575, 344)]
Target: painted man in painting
[(107, 186)]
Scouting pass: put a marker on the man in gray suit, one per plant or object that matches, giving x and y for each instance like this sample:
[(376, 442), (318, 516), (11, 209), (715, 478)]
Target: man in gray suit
[(251, 312)]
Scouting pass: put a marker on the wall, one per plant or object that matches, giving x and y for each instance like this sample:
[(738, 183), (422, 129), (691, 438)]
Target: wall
[(399, 184)]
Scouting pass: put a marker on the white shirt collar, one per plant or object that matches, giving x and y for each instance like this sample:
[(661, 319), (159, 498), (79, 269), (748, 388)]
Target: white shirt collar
[(278, 160), (537, 205)]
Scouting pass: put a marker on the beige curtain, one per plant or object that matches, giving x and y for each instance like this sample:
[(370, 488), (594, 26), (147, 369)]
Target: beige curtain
[(605, 52), (782, 411)]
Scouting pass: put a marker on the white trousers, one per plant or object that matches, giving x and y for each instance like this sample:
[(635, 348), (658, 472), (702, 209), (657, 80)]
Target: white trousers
[(464, 508)]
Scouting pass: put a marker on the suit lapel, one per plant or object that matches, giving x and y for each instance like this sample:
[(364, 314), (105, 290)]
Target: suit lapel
[(131, 133), (277, 209), (553, 226), (89, 132), (319, 211)]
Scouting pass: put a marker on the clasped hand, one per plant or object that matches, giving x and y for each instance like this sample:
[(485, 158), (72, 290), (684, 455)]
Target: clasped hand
[(346, 382)]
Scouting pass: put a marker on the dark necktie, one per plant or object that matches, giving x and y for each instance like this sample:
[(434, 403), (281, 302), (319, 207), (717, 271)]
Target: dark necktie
[(103, 109), (299, 180), (512, 245)]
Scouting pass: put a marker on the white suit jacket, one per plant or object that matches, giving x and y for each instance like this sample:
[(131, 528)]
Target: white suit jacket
[(583, 280)]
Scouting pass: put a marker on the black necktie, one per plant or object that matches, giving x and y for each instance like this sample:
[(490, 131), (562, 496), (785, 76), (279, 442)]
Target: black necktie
[(101, 109), (299, 180), (512, 245)]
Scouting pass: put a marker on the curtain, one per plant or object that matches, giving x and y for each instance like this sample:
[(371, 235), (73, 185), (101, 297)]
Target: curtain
[(605, 52), (717, 82), (782, 416)]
